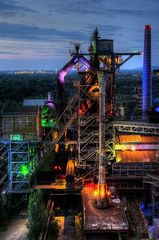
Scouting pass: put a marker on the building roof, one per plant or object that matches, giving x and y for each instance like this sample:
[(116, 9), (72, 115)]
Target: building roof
[(33, 102), (20, 110)]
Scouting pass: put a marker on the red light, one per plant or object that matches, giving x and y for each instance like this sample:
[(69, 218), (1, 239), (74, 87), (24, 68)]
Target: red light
[(149, 27)]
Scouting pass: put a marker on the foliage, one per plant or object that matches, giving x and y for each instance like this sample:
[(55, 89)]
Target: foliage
[(14, 88), (53, 230), (3, 213), (37, 215)]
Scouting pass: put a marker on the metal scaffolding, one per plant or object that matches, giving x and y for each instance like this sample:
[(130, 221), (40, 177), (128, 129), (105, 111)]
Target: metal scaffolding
[(3, 165), (22, 160), (87, 120), (153, 180)]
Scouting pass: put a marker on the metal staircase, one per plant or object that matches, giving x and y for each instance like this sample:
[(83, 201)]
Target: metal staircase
[(3, 165), (88, 139), (63, 124)]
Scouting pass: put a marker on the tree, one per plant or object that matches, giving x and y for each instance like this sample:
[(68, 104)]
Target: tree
[(53, 230), (37, 215), (3, 212)]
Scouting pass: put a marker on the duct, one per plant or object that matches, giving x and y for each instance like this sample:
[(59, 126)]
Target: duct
[(63, 72)]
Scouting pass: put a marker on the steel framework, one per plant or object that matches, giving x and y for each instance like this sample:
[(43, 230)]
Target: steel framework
[(21, 160)]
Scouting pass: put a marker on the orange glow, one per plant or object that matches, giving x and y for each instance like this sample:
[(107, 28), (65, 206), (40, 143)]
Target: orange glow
[(56, 148), (94, 90), (118, 159), (55, 135), (133, 148), (136, 156), (101, 190), (70, 168), (118, 60), (95, 193), (108, 193), (107, 60)]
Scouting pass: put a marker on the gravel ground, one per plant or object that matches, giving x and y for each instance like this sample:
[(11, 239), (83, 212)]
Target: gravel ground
[(16, 230)]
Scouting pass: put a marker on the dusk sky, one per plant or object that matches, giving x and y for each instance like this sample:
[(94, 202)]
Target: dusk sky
[(37, 34)]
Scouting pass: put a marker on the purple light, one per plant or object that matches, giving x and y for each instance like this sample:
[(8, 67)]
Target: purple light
[(50, 103), (62, 73), (85, 62)]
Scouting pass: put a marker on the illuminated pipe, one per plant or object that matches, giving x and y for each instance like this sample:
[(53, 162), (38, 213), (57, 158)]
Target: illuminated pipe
[(102, 200), (70, 171), (63, 72), (38, 124), (147, 75)]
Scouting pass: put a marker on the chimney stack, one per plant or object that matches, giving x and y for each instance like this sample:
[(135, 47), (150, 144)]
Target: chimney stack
[(147, 75)]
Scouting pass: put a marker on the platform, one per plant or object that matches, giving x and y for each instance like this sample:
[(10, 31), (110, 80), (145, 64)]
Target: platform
[(59, 184), (96, 220)]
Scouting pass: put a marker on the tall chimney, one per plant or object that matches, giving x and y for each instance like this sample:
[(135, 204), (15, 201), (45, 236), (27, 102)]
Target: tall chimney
[(147, 75)]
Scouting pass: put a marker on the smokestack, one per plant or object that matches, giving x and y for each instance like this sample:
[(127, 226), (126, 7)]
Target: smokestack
[(147, 76)]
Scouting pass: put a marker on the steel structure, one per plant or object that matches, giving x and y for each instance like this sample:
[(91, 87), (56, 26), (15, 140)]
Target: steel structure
[(153, 180), (106, 60), (20, 159), (3, 165), (136, 127)]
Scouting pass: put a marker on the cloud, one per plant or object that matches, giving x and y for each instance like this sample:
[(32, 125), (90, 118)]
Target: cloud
[(35, 33), (11, 8), (9, 53), (43, 29)]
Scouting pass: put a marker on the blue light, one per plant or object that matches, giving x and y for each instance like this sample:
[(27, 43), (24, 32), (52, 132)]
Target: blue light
[(142, 206), (157, 109)]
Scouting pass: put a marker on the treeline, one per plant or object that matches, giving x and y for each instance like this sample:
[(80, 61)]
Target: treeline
[(15, 88)]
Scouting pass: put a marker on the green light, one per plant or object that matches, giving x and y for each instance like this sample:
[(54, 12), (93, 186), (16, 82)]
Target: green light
[(45, 109), (16, 137), (48, 122), (24, 170)]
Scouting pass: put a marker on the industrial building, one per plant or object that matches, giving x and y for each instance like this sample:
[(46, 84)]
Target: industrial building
[(111, 163)]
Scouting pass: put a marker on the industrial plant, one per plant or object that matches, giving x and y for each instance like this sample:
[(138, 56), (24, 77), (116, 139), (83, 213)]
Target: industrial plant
[(103, 169)]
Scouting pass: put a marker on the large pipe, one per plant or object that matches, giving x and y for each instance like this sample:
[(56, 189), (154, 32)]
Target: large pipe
[(102, 200), (147, 75), (63, 72)]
